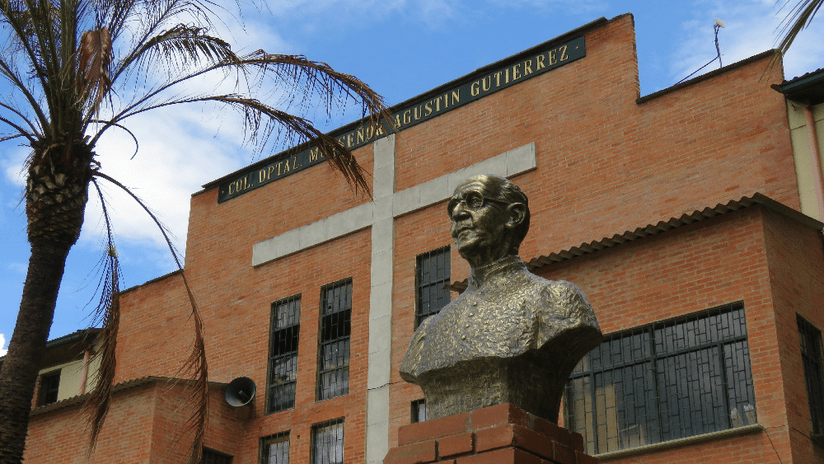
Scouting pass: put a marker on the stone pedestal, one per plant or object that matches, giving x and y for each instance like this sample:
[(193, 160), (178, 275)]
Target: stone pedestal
[(497, 434)]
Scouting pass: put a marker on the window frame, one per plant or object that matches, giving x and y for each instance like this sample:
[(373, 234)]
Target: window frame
[(318, 429), (269, 440), (334, 336), (47, 389), (646, 404), (213, 456), (812, 358), (293, 332), (426, 288)]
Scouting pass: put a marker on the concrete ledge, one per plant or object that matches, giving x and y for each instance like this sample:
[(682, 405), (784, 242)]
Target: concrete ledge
[(747, 429)]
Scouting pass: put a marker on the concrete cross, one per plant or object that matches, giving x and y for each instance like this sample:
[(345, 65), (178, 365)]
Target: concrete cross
[(380, 215)]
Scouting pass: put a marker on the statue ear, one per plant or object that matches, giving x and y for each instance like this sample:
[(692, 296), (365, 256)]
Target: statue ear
[(517, 213)]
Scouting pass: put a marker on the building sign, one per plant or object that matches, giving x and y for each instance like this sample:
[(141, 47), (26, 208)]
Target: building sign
[(473, 88)]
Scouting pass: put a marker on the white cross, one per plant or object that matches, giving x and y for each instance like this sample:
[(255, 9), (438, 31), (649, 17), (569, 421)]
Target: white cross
[(380, 215)]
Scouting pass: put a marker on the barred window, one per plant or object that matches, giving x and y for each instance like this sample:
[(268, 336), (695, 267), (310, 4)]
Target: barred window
[(275, 449), (419, 410), (283, 353), (335, 328), (211, 456), (49, 388), (327, 442), (812, 354), (432, 274), (669, 380)]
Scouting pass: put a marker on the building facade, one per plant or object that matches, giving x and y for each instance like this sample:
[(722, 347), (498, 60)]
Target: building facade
[(682, 215)]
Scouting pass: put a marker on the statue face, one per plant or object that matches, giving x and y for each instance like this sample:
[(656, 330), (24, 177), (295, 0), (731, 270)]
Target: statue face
[(479, 221)]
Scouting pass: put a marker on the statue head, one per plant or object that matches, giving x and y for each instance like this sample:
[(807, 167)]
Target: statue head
[(490, 218)]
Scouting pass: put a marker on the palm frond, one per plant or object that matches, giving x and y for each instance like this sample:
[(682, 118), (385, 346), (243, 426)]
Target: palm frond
[(796, 20), (196, 365), (93, 63)]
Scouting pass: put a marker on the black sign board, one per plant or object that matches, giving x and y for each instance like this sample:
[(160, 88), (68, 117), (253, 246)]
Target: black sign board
[(473, 87)]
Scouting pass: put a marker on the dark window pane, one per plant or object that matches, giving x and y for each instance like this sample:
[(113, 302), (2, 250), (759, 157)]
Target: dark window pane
[(333, 350), (419, 410), (49, 388), (433, 273), (670, 380), (327, 442), (211, 456), (283, 353), (275, 449), (812, 356)]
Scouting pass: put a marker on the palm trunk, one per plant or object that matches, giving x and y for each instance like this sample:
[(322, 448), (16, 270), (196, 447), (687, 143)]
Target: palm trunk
[(27, 346)]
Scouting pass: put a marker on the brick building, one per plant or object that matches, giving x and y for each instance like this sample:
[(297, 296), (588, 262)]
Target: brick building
[(680, 214)]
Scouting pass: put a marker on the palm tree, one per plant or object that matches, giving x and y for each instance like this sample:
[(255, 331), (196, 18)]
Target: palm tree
[(796, 20), (79, 68)]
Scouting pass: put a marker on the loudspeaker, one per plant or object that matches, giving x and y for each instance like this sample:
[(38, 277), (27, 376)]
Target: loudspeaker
[(240, 392)]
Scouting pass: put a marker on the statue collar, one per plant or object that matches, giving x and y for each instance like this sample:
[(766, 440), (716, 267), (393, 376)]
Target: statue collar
[(480, 275)]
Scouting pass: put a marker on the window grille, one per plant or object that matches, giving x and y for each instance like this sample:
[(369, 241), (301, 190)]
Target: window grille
[(275, 449), (327, 442), (432, 274), (672, 379), (418, 410), (283, 353), (211, 456), (812, 354), (49, 388), (335, 328)]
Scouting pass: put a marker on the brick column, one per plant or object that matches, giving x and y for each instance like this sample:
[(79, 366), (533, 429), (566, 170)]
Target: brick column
[(498, 434)]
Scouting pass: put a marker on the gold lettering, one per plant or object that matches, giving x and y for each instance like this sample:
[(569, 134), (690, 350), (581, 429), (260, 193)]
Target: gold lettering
[(456, 96), (261, 176), (486, 83), (295, 164), (564, 56), (539, 60), (552, 58), (516, 72), (230, 188), (438, 103), (428, 108), (474, 89), (527, 67), (361, 135), (407, 116), (397, 121), (246, 183), (350, 140), (506, 75), (286, 167), (380, 131), (498, 78), (280, 164), (418, 112), (313, 155)]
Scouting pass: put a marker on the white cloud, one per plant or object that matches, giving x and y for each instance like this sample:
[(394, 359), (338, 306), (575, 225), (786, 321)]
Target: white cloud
[(752, 27), (3, 348)]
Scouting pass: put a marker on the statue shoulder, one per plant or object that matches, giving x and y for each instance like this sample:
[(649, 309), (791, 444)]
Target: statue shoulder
[(562, 300)]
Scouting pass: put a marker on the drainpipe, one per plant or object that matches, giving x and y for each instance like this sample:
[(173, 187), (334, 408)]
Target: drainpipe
[(84, 372), (815, 157)]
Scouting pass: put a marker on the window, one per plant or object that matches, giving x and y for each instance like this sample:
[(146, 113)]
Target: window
[(812, 354), (432, 274), (49, 387), (418, 410), (275, 449), (211, 456), (335, 327), (283, 354), (670, 380), (327, 442)]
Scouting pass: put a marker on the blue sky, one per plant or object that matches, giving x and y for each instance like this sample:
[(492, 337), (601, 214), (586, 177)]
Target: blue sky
[(401, 49)]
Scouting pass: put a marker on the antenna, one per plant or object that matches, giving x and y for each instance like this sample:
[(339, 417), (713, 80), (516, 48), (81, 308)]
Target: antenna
[(718, 25)]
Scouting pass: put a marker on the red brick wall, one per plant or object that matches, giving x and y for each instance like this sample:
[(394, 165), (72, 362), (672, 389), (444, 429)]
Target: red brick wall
[(796, 257), (606, 164)]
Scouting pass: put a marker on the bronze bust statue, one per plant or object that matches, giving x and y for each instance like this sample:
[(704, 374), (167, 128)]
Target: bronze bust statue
[(511, 337)]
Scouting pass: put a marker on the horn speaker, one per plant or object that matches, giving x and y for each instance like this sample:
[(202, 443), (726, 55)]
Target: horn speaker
[(240, 392)]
